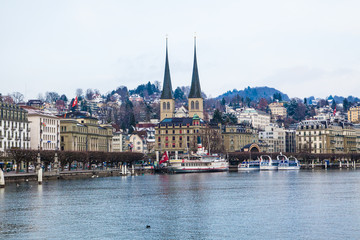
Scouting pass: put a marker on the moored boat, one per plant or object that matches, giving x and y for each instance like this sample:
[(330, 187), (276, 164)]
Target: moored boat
[(249, 166), (201, 161), (198, 163), (290, 163), (267, 163)]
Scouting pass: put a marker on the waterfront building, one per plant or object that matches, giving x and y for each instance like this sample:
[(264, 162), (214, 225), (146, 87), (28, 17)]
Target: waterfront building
[(354, 114), (14, 127), (236, 136), (278, 110), (149, 129), (138, 142), (290, 140), (179, 134), (45, 129), (80, 132), (326, 137), (258, 119), (119, 142), (274, 137)]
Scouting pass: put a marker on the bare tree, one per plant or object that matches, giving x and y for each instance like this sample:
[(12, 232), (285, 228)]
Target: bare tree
[(79, 92), (51, 96), (89, 94), (18, 97)]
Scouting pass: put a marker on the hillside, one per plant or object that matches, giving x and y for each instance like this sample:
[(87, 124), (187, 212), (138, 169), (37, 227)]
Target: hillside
[(255, 93)]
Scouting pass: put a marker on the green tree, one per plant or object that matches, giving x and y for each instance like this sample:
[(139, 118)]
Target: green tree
[(346, 105)]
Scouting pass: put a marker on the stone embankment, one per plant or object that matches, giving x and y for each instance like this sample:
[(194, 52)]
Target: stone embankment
[(74, 174)]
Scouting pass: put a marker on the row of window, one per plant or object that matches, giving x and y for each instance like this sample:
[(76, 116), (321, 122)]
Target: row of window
[(179, 131)]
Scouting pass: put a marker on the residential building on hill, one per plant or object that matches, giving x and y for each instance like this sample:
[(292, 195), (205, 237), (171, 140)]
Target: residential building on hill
[(278, 110), (14, 127), (354, 114), (256, 118)]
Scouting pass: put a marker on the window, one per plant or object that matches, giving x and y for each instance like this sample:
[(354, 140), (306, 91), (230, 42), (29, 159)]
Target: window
[(164, 105), (197, 105), (168, 106), (192, 104)]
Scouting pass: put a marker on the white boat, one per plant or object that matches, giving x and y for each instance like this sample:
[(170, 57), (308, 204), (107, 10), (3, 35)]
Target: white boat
[(198, 163), (287, 163), (267, 163), (249, 166)]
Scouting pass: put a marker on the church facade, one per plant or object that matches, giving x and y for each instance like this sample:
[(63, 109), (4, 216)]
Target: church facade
[(180, 133)]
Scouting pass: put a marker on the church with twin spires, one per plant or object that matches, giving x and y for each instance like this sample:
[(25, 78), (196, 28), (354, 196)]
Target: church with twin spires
[(180, 134)]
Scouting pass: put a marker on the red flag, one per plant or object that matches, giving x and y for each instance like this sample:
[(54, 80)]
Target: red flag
[(75, 101), (335, 111), (164, 158)]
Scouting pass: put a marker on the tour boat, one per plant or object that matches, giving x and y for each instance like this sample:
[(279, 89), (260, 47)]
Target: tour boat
[(201, 161), (249, 166), (198, 163), (267, 163), (287, 163)]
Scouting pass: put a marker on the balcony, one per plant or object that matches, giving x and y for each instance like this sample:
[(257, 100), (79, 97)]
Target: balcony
[(28, 129), (1, 137)]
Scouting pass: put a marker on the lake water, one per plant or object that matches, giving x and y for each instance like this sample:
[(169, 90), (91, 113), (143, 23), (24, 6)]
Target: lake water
[(256, 205)]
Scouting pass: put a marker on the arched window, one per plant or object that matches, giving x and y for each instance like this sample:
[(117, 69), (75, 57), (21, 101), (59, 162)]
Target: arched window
[(168, 106), (164, 105), (192, 104), (197, 105)]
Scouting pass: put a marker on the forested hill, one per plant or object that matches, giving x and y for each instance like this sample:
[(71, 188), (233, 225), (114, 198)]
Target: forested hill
[(255, 93)]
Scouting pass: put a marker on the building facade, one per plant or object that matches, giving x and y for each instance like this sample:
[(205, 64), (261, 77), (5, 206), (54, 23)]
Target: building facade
[(179, 134), (257, 119), (45, 129), (85, 134), (277, 110), (327, 137), (119, 142), (236, 137), (14, 127), (274, 137), (354, 114)]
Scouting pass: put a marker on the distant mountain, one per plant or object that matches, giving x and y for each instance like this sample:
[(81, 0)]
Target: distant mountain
[(255, 93), (340, 99)]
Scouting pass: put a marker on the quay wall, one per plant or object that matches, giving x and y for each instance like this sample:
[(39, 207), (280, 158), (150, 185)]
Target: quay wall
[(67, 175)]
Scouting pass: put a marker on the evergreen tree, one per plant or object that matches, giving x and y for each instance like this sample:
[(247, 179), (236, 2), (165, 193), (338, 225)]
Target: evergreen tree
[(346, 105), (217, 116)]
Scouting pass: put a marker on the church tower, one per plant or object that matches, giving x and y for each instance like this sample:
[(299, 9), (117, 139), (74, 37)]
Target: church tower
[(167, 101), (196, 102)]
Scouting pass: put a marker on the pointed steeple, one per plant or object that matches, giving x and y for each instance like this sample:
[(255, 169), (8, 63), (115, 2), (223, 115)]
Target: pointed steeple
[(195, 90), (167, 88)]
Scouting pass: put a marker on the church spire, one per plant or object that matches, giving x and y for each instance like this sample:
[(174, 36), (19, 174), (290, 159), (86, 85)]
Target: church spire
[(195, 90), (167, 88)]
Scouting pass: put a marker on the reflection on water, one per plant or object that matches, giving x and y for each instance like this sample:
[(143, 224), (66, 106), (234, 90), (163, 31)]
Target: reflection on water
[(247, 205)]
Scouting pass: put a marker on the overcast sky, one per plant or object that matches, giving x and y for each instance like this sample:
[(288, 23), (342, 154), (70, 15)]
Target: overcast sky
[(301, 48)]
